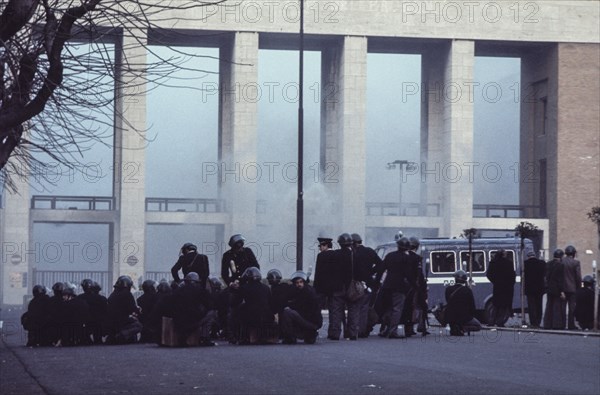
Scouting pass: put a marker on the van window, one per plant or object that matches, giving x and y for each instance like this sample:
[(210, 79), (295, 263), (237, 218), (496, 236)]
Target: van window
[(478, 261), (510, 255), (443, 262)]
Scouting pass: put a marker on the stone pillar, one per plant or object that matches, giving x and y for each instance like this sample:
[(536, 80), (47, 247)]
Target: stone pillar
[(129, 173), (18, 253), (238, 111), (448, 141), (343, 114)]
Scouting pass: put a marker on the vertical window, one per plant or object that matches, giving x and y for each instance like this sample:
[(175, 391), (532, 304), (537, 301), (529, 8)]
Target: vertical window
[(443, 262)]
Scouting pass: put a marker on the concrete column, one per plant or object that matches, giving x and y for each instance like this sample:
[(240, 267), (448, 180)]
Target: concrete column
[(343, 114), (18, 253), (129, 181), (448, 139), (238, 111)]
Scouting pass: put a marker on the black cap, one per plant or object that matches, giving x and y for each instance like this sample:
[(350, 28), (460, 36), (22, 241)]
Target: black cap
[(324, 240)]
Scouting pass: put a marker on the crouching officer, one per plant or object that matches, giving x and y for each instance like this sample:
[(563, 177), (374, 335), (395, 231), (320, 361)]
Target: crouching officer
[(193, 314), (97, 305), (302, 317), (73, 315), (35, 320), (122, 312), (460, 309), (584, 309)]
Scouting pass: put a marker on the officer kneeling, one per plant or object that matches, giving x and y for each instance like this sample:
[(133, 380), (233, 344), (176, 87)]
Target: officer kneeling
[(460, 307), (301, 318)]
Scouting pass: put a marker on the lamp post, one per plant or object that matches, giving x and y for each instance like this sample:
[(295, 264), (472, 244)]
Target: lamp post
[(401, 164), (300, 201)]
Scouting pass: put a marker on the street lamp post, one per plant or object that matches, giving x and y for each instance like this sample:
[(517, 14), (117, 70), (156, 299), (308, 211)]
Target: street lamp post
[(401, 164), (300, 195)]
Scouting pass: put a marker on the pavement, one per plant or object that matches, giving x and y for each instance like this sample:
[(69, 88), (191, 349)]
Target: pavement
[(493, 361)]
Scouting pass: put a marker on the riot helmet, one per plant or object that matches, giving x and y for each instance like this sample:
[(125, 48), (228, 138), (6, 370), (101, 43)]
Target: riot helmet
[(189, 247), (86, 284), (460, 277), (149, 286), (558, 253), (68, 292), (345, 240), (215, 283), (39, 290), (299, 275), (163, 287), (124, 282), (403, 243), (356, 239), (191, 277), (236, 239), (252, 274), (398, 235), (96, 288), (570, 251), (58, 288), (274, 276), (414, 243)]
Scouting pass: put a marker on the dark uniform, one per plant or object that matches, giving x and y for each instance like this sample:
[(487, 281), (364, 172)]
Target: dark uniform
[(193, 312), (98, 305), (122, 324), (554, 316), (584, 309), (35, 320), (242, 259), (535, 272), (368, 260), (191, 261), (460, 308), (400, 278), (146, 303), (501, 274)]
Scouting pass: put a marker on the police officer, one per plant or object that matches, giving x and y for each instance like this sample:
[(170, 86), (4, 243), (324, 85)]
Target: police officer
[(399, 279), (252, 314), (301, 318), (146, 304), (280, 292), (191, 261), (584, 309), (501, 274), (368, 260), (554, 316), (572, 269), (237, 259), (122, 312), (73, 314), (534, 283), (54, 311), (419, 299), (460, 308), (35, 320), (193, 314), (97, 311)]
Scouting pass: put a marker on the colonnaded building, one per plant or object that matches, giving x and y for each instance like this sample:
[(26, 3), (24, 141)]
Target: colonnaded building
[(53, 236)]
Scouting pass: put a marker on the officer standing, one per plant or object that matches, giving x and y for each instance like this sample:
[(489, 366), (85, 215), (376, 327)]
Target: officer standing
[(237, 259), (301, 318), (535, 271), (191, 261), (572, 269), (554, 316), (501, 274), (398, 281), (419, 300), (367, 259)]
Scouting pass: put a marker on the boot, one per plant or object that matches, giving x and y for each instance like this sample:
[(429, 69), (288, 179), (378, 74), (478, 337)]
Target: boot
[(397, 332)]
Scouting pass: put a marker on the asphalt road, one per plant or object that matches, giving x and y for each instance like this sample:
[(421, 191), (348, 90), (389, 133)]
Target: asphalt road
[(489, 362)]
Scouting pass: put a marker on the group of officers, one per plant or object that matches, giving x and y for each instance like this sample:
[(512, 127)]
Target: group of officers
[(356, 286)]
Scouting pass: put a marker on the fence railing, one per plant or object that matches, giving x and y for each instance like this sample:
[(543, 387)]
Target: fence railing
[(51, 277), (72, 202), (507, 211), (185, 205), (406, 209), (158, 276)]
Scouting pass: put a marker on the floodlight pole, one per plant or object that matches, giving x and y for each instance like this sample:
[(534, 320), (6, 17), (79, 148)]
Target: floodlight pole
[(300, 201)]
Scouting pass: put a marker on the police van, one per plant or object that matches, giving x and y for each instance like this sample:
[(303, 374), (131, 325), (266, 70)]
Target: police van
[(442, 257)]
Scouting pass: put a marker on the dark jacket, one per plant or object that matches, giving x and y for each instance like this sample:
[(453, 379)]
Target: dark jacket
[(306, 303), (460, 307), (368, 260), (38, 312), (280, 296), (191, 302), (191, 262), (346, 268), (501, 274), (584, 308), (535, 273), (146, 302), (400, 276), (253, 300), (555, 278), (121, 305), (324, 272), (572, 274), (242, 260), (97, 304)]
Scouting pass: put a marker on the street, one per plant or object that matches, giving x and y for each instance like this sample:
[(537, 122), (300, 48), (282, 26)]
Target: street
[(493, 361)]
